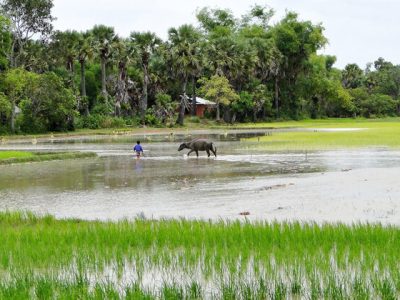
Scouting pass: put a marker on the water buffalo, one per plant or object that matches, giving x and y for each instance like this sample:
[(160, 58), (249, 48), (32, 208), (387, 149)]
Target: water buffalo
[(199, 145)]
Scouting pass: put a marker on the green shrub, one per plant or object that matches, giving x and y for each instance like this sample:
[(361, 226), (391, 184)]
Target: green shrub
[(151, 118), (112, 122), (378, 105)]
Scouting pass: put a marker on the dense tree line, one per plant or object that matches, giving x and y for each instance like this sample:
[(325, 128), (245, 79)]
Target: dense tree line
[(254, 70)]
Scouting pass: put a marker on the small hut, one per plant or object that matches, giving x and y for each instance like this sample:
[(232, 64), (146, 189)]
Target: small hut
[(202, 105)]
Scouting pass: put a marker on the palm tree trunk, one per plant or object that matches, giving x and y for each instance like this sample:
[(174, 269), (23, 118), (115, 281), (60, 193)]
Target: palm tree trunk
[(218, 113), (143, 104), (12, 117), (83, 87), (83, 79), (121, 89), (193, 96), (103, 79), (276, 97), (182, 110)]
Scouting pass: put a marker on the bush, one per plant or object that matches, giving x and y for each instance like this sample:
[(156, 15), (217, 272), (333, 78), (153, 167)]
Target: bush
[(102, 109), (193, 119), (151, 118), (98, 121), (378, 105), (112, 122)]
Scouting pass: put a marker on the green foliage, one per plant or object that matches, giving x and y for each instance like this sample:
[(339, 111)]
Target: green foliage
[(97, 121), (165, 109), (5, 108), (5, 41), (45, 103), (28, 18), (102, 108), (211, 19), (352, 76), (378, 105), (274, 67), (219, 90), (151, 118), (48, 105)]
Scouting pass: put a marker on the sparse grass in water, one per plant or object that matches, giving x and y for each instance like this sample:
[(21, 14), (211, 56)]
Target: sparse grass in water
[(177, 259)]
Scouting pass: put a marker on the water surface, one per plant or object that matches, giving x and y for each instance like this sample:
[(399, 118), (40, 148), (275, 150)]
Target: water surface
[(347, 185)]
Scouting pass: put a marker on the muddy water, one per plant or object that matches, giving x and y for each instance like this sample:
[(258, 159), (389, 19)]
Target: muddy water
[(346, 186)]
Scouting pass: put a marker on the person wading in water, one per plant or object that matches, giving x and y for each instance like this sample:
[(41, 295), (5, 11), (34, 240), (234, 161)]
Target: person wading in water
[(138, 149)]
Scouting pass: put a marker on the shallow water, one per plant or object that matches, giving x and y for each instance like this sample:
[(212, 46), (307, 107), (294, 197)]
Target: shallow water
[(346, 186)]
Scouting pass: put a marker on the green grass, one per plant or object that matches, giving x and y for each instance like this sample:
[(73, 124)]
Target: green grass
[(10, 157), (45, 258), (15, 154), (373, 133)]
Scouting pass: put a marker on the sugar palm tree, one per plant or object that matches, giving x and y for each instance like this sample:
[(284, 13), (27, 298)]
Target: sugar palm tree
[(144, 45), (64, 46), (85, 52), (104, 41), (186, 62), (122, 55)]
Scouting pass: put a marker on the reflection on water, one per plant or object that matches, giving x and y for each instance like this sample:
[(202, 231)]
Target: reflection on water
[(167, 183)]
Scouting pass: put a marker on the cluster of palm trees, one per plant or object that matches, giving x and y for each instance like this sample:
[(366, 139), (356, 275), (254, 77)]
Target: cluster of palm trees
[(101, 42), (253, 56)]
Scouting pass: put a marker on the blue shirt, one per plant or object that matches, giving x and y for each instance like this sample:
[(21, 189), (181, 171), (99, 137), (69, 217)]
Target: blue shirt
[(138, 148)]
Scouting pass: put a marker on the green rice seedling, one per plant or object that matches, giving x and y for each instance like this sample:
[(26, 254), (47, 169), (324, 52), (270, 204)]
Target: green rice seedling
[(360, 289), (134, 292), (280, 290), (222, 259), (194, 291), (172, 292), (229, 291), (384, 288), (106, 290)]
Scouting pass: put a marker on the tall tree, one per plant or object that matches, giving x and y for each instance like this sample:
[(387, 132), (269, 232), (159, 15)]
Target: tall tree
[(218, 89), (5, 41), (105, 39), (184, 50), (296, 41), (15, 81), (122, 55), (28, 18), (144, 43), (352, 76), (64, 46), (85, 52)]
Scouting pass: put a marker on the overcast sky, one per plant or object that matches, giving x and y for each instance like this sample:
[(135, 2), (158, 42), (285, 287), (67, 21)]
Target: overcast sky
[(359, 31)]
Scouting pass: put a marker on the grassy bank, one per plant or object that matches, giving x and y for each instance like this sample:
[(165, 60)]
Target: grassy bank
[(211, 125), (44, 258), (11, 157), (372, 133)]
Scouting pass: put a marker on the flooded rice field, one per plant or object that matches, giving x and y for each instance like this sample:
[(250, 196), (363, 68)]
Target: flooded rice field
[(242, 182)]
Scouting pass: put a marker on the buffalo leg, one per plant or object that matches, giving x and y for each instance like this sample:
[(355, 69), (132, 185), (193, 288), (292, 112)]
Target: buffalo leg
[(197, 153), (190, 152), (215, 154), (208, 152)]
